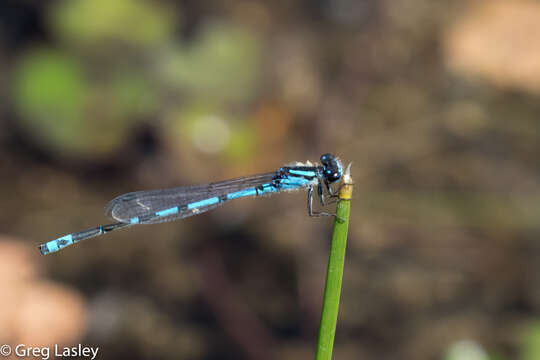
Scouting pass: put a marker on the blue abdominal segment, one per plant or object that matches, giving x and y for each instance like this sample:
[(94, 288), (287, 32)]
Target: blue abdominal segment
[(57, 244), (202, 203), (268, 189), (242, 193), (70, 239), (167, 212)]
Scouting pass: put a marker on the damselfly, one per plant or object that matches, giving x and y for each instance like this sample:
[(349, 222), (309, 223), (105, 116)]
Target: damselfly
[(157, 206)]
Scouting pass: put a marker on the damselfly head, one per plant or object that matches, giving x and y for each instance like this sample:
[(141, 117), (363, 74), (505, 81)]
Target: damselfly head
[(332, 169)]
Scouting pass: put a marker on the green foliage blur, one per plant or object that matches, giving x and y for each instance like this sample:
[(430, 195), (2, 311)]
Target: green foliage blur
[(82, 97)]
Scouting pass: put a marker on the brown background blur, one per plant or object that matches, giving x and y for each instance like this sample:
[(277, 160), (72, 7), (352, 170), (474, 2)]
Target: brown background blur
[(436, 103)]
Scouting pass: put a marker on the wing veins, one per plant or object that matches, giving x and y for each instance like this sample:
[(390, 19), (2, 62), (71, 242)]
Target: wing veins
[(146, 202)]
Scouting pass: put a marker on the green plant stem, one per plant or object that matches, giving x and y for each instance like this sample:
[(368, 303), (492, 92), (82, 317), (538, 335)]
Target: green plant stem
[(334, 275)]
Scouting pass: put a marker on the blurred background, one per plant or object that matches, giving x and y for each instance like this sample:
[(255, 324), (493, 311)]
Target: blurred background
[(435, 103)]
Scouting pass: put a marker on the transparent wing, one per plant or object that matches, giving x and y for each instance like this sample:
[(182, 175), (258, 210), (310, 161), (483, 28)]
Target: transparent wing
[(145, 203)]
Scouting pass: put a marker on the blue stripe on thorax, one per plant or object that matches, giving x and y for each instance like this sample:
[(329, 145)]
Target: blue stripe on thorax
[(294, 180), (202, 203), (292, 183), (308, 173)]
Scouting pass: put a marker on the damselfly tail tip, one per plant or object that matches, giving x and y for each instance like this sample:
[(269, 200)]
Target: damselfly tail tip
[(43, 249)]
